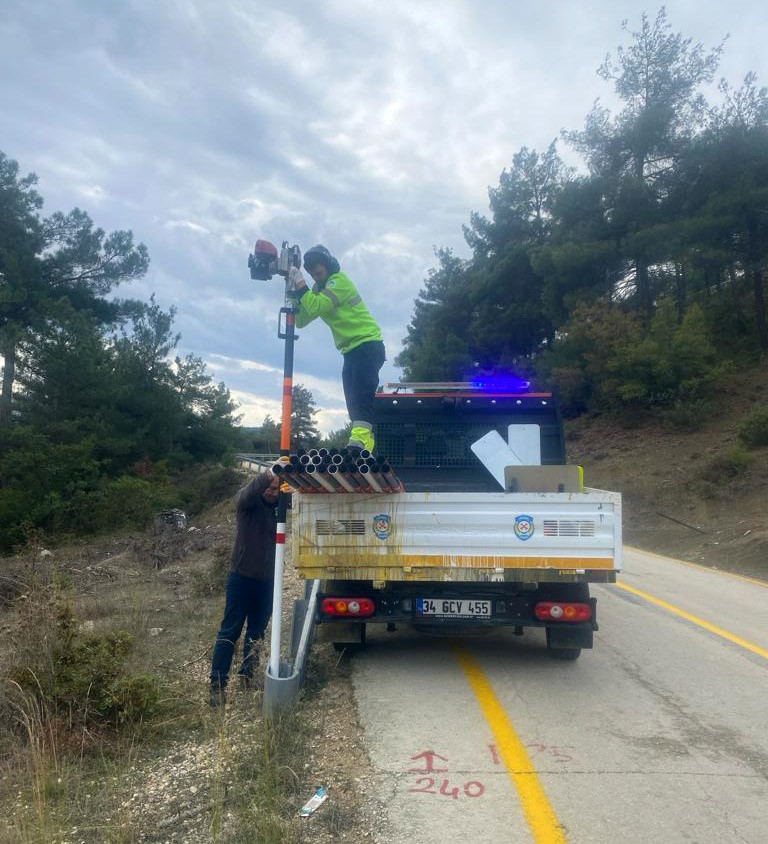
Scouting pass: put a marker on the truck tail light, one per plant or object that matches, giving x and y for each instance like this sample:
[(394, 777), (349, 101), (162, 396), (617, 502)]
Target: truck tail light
[(348, 607), (563, 611)]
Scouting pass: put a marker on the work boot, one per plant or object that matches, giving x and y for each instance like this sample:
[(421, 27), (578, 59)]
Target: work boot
[(361, 436), (218, 696), (247, 682)]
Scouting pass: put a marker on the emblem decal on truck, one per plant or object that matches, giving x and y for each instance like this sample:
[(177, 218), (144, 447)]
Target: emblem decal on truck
[(523, 527), (382, 526)]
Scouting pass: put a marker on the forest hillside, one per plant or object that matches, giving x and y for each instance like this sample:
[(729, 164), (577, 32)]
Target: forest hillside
[(698, 495)]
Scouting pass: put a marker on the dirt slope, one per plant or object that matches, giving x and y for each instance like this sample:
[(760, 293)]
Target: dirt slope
[(684, 493)]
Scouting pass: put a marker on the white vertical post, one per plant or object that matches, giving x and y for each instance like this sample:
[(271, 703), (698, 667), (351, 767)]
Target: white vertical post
[(277, 601)]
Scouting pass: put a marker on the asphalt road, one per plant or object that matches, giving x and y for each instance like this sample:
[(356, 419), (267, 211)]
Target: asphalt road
[(660, 733)]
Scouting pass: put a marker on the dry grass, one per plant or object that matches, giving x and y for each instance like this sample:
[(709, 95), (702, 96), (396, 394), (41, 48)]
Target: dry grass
[(188, 775)]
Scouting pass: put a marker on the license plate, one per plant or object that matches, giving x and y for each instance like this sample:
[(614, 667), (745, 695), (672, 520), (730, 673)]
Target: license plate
[(453, 608)]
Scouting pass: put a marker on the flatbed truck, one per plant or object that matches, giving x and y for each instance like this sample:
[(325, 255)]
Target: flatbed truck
[(456, 550)]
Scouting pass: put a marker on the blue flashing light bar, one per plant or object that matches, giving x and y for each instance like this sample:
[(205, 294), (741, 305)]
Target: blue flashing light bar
[(501, 384)]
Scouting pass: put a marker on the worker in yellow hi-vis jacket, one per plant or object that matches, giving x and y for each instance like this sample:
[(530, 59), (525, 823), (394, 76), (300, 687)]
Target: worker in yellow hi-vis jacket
[(334, 298)]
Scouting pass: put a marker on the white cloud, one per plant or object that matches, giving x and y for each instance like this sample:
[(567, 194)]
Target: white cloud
[(375, 128)]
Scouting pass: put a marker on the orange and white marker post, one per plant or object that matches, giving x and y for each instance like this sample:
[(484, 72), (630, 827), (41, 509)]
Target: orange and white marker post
[(287, 333)]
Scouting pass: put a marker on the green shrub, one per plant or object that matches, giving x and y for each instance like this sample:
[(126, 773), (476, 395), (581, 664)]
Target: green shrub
[(130, 501), (608, 361), (733, 464), (203, 486), (83, 678), (687, 416), (213, 580), (753, 430)]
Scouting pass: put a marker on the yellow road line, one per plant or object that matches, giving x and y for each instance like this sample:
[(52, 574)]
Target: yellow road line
[(538, 811), (731, 637), (755, 580)]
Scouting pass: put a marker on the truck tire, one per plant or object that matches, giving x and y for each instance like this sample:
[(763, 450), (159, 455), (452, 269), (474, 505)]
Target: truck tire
[(564, 644), (565, 653)]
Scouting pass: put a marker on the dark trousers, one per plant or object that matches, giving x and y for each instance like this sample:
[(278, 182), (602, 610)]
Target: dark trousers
[(360, 378), (248, 600)]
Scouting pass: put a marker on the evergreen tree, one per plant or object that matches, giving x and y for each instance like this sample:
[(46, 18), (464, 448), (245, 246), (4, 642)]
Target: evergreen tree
[(304, 432), (657, 77), (266, 438), (338, 438), (48, 266), (437, 347)]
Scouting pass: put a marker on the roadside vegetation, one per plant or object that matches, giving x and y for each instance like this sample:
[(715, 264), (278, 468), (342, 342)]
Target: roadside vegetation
[(106, 736), (635, 286)]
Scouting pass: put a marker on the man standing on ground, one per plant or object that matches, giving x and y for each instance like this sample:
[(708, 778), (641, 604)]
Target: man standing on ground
[(334, 298), (250, 583)]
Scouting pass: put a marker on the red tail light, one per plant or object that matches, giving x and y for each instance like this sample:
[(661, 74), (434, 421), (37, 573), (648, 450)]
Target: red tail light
[(348, 607), (563, 611)]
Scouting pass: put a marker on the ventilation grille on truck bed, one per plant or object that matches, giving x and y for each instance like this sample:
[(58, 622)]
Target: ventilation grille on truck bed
[(568, 527), (339, 527)]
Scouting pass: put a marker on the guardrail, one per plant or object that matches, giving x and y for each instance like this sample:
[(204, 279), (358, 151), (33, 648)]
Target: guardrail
[(255, 463)]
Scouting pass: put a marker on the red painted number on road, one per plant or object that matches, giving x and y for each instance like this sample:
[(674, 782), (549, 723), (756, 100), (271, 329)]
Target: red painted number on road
[(427, 785)]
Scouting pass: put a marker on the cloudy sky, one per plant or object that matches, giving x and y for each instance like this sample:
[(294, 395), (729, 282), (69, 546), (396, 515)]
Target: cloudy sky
[(372, 127)]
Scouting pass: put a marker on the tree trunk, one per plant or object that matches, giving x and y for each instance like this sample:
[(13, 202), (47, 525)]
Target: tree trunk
[(680, 292), (643, 285), (736, 299), (8, 351), (760, 320)]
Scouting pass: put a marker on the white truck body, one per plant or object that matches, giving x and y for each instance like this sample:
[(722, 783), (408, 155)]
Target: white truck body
[(459, 537)]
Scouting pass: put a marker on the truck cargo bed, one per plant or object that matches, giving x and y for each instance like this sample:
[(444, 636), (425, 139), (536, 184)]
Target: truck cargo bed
[(459, 537)]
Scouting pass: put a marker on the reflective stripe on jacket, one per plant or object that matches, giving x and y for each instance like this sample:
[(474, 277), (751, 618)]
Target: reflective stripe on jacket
[(341, 307)]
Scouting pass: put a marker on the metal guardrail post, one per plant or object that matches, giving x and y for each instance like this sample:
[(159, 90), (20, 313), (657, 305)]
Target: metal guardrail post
[(281, 690)]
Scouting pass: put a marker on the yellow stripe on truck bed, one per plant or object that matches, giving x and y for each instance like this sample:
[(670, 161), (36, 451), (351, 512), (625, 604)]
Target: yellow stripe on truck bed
[(422, 566)]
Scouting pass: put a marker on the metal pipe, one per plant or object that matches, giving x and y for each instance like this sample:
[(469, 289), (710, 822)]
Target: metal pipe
[(376, 472), (337, 475), (323, 471), (365, 472), (391, 478), (356, 479), (312, 480), (312, 470), (296, 478), (283, 472)]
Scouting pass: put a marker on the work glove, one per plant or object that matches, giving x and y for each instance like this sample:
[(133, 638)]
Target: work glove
[(295, 279)]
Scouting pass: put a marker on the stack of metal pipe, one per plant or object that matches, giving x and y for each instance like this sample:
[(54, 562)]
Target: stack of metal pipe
[(329, 470)]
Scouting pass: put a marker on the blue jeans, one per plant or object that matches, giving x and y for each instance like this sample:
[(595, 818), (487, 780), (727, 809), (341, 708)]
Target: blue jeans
[(248, 600)]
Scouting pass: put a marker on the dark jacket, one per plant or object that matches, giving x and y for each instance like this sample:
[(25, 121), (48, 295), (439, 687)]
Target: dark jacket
[(253, 554)]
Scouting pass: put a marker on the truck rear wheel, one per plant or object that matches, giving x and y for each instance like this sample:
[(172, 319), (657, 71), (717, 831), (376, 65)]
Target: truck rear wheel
[(565, 653), (563, 643)]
